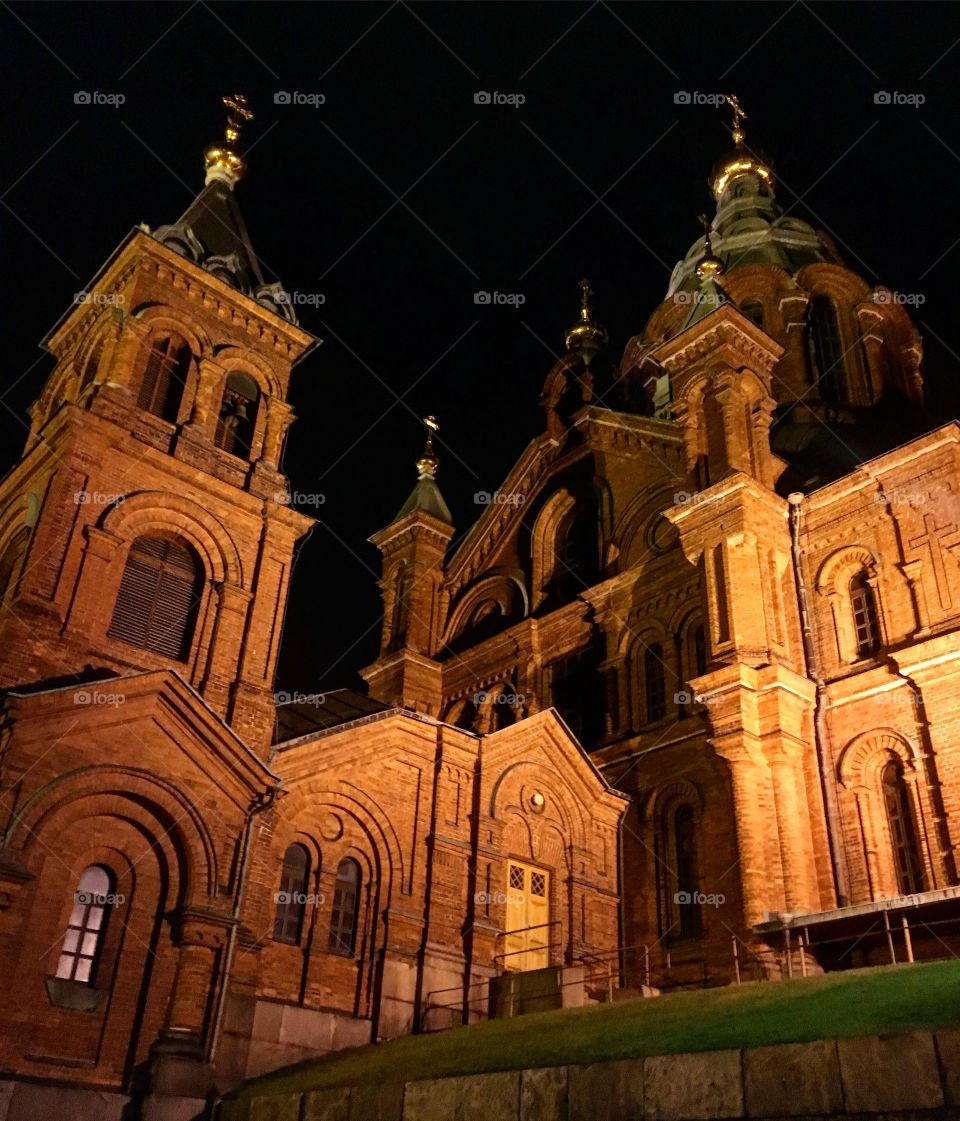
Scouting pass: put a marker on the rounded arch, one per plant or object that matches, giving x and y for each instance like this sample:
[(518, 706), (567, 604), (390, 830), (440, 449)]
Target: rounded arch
[(838, 283), (664, 797), (545, 528), (160, 318), (841, 565), (140, 514), (567, 808), (863, 759), (304, 809), (144, 798), (89, 354), (236, 359), (502, 589)]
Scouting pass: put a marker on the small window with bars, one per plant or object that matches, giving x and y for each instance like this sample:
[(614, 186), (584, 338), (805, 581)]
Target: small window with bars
[(516, 877), (538, 883), (87, 926), (157, 605)]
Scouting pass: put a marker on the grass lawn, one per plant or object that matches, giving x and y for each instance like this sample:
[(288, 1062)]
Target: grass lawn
[(860, 1002)]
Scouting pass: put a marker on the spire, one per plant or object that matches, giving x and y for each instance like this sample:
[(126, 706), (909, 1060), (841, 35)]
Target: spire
[(426, 495), (586, 337), (212, 232), (223, 161), (709, 295), (709, 264)]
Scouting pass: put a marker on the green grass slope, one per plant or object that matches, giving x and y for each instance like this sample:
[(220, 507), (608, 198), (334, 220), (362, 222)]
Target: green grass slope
[(880, 1001)]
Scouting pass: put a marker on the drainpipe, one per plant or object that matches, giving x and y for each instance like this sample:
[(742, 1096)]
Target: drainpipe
[(256, 808), (827, 784)]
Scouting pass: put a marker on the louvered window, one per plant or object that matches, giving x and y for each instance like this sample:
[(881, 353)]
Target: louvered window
[(238, 415), (164, 376), (159, 593)]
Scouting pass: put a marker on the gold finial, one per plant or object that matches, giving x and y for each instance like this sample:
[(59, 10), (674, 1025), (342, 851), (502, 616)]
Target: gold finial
[(738, 118), (709, 266), (585, 293), (586, 337), (740, 159), (428, 463), (223, 161)]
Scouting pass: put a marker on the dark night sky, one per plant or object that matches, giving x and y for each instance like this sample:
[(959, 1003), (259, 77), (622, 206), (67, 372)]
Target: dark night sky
[(499, 198)]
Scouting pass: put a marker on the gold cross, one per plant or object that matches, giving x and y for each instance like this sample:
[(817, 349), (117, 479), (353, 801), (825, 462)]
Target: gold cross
[(238, 113), (738, 117)]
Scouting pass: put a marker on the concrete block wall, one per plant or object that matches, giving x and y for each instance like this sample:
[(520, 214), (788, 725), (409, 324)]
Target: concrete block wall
[(909, 1077)]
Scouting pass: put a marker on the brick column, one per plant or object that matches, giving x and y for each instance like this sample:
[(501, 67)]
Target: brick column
[(746, 776), (224, 651), (205, 404), (201, 940), (791, 821), (279, 418)]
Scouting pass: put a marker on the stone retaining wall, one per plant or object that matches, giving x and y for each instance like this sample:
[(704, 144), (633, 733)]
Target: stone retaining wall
[(899, 1078)]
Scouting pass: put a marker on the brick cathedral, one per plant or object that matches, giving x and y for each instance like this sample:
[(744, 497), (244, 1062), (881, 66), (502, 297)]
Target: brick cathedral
[(681, 708)]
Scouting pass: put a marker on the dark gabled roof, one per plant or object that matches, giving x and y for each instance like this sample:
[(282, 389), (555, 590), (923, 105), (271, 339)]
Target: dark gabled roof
[(213, 234), (304, 713)]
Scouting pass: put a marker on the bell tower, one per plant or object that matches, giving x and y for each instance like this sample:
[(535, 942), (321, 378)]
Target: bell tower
[(413, 547), (147, 524)]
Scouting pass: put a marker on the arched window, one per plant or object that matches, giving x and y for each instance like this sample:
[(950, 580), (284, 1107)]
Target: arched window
[(398, 608), (698, 652), (576, 549), (654, 683), (157, 605), (164, 376), (238, 414), (866, 625), (753, 310), (11, 563), (684, 843), (903, 838), (291, 898), (87, 926), (677, 875), (825, 348), (92, 364), (343, 920)]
